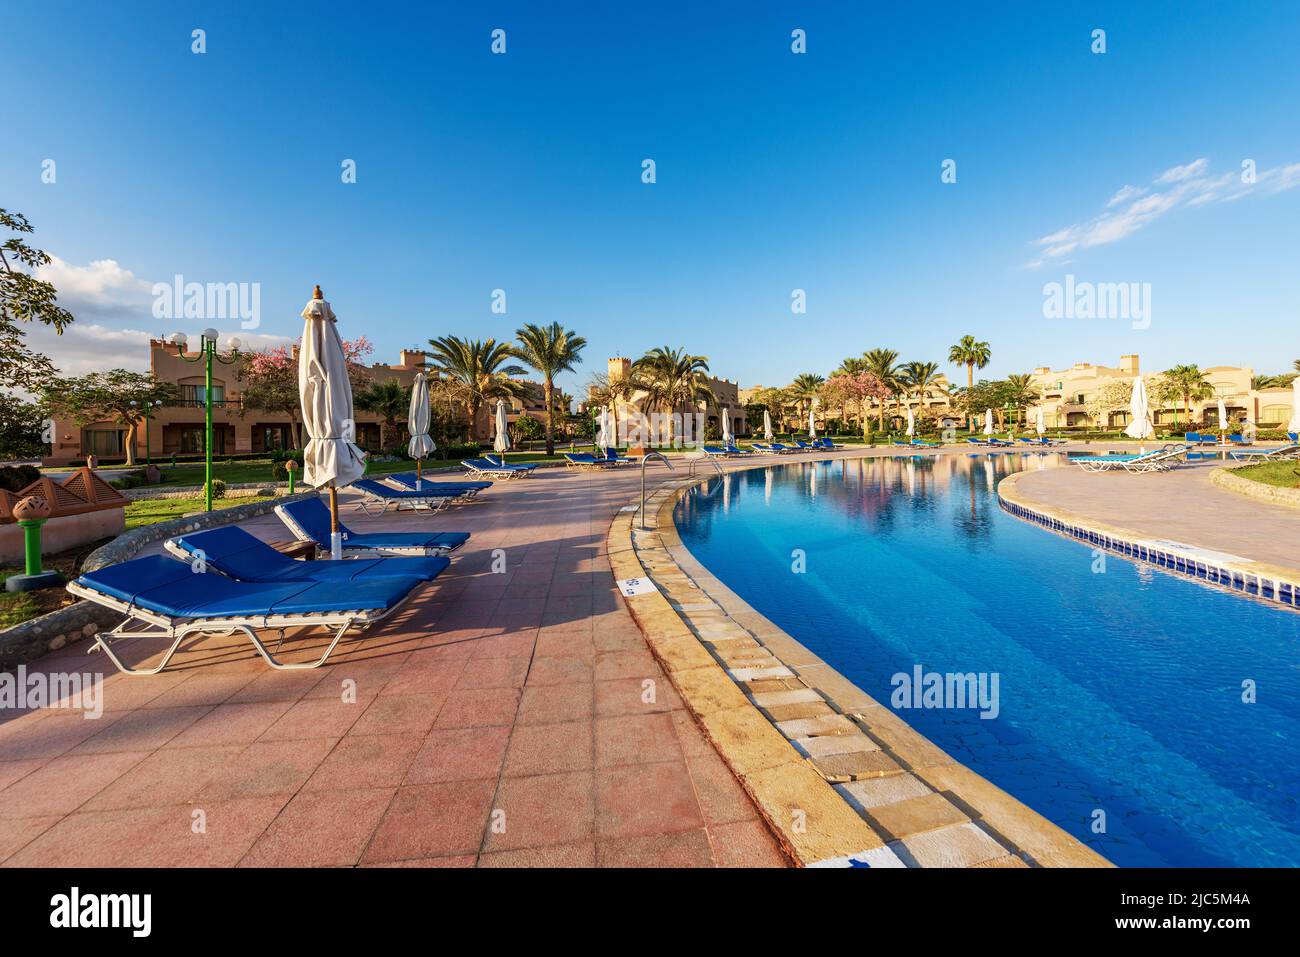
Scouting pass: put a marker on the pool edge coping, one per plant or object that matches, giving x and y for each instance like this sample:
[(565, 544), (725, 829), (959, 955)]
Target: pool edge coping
[(787, 786), (1274, 584)]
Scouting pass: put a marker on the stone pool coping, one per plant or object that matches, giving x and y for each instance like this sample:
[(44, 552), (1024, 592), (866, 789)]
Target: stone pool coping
[(840, 779), (1276, 584)]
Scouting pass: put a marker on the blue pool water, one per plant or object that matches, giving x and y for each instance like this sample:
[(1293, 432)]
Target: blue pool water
[(1120, 691)]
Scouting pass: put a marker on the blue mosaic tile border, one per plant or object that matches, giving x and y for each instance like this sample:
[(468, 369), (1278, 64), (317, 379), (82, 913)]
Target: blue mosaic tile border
[(1275, 590)]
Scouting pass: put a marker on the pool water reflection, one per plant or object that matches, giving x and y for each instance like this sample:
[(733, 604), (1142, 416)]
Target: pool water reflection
[(1121, 687)]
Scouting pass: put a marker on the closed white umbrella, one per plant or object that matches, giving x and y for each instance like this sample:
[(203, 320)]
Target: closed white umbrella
[(911, 423), (501, 442), (727, 437), (1294, 424), (812, 420), (331, 459), (1139, 412), (1040, 426), (417, 423), (603, 440), (1223, 417), (767, 423), (988, 421)]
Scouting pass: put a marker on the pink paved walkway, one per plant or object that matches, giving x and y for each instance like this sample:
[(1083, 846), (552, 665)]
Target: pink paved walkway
[(500, 720)]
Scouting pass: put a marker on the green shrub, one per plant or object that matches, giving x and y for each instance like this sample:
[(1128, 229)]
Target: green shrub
[(218, 488)]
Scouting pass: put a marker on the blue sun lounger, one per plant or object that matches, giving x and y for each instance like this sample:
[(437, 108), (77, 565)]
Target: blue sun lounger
[(164, 598), (495, 469), (233, 552), (407, 480), (520, 467), (309, 520), (378, 496)]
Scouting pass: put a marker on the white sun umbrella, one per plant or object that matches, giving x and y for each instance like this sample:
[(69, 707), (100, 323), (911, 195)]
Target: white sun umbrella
[(911, 423), (331, 459), (501, 442), (1040, 426), (1223, 417), (417, 423), (812, 420), (1294, 424), (767, 422), (988, 421), (603, 438), (727, 437), (1139, 412)]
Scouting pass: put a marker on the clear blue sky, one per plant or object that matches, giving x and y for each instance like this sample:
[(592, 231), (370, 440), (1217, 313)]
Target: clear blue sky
[(775, 172)]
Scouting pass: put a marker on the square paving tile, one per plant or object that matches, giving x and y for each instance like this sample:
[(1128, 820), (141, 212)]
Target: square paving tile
[(432, 820), (64, 784), (329, 828), (266, 768), (459, 754), (679, 849), (549, 748), (550, 704), (366, 761), (544, 810), (478, 708), (169, 776), (400, 714), (636, 739), (645, 799), (231, 724)]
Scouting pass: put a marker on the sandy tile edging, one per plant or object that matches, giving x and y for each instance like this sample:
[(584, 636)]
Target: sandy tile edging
[(1275, 584), (839, 778)]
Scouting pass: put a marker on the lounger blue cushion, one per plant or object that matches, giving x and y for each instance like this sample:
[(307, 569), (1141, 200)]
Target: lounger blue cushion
[(234, 552), (380, 490), (172, 588), (313, 516), (408, 479)]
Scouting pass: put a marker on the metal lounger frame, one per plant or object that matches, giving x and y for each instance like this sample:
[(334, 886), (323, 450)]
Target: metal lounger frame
[(165, 626)]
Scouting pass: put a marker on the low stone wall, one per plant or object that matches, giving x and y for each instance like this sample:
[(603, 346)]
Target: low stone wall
[(129, 544), (32, 639), (62, 532), (1273, 494)]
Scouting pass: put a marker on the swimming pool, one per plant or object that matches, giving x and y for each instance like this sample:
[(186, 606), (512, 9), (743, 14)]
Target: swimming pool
[(1120, 688)]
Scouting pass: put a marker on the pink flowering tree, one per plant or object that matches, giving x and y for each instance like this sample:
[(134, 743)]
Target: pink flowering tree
[(270, 379), (855, 392)]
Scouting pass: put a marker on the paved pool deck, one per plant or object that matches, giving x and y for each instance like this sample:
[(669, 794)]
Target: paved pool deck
[(500, 719)]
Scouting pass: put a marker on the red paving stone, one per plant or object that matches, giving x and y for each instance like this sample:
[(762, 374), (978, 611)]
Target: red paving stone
[(500, 720)]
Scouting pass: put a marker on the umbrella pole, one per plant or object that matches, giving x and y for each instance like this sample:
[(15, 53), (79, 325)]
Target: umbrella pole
[(335, 543)]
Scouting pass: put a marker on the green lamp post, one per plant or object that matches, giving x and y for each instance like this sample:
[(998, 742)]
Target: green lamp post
[(31, 513), (206, 354)]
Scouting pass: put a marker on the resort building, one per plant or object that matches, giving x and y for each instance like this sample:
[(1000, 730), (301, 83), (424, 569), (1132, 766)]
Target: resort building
[(178, 428), (1076, 396), (727, 393)]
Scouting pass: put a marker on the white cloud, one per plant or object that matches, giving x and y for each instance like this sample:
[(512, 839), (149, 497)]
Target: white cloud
[(1176, 174), (1133, 208), (103, 286), (92, 347)]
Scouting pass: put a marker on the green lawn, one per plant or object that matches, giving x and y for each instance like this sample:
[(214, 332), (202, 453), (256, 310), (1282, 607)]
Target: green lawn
[(1281, 474), (149, 511)]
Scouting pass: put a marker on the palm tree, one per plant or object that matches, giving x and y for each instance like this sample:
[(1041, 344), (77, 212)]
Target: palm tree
[(673, 378), (550, 350), (480, 366), (883, 364), (853, 366), (388, 399), (1191, 384), (1020, 391), (972, 354), (920, 379), (805, 389)]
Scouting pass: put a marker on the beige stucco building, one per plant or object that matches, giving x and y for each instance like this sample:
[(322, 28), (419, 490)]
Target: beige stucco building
[(1067, 395), (178, 428), (726, 391)]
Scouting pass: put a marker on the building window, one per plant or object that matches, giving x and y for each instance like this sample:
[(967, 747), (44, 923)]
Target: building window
[(194, 395), (102, 441)]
